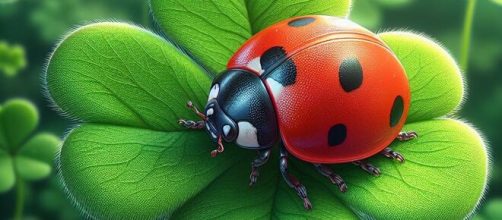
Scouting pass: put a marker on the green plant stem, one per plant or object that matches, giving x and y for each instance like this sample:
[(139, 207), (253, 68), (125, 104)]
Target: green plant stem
[(18, 214), (466, 34)]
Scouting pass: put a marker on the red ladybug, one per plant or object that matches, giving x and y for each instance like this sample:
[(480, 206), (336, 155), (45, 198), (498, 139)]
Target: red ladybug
[(327, 89)]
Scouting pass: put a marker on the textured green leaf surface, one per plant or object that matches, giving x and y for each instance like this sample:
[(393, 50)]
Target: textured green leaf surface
[(444, 175), (138, 173), (230, 197), (426, 186), (435, 79), (18, 118), (125, 75), (161, 172), (213, 30)]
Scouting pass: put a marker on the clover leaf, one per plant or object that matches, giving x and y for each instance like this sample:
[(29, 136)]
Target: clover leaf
[(12, 59), (23, 155), (129, 159)]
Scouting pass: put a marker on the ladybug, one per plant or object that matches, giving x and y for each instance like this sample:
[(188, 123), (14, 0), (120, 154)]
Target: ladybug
[(326, 89)]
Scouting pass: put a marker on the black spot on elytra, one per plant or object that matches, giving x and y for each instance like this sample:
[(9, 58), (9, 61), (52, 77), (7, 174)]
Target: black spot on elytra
[(301, 21), (350, 74), (272, 56), (278, 66), (397, 111), (337, 134)]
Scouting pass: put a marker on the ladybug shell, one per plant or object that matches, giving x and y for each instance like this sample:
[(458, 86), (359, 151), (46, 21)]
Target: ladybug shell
[(339, 92)]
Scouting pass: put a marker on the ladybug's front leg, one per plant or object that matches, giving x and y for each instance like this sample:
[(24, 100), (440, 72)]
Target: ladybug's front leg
[(291, 180), (260, 160)]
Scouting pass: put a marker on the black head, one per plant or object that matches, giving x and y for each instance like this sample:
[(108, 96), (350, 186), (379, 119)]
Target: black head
[(239, 109), (218, 123)]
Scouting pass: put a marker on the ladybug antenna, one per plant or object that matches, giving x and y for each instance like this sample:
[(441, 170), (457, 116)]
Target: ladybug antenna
[(220, 148), (194, 109)]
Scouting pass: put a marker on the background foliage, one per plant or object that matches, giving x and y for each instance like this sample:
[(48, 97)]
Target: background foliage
[(36, 25)]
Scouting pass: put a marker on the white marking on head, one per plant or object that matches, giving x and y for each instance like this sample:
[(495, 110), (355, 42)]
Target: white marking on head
[(210, 112), (247, 135), (214, 92), (255, 65), (226, 129), (275, 86)]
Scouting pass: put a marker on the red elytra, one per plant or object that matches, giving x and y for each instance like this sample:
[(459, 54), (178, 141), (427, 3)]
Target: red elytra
[(350, 97)]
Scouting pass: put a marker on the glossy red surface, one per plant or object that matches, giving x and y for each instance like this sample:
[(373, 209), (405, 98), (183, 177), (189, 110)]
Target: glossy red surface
[(316, 102)]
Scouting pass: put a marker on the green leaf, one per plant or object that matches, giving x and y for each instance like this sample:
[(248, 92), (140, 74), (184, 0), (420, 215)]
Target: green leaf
[(163, 172), (444, 176), (34, 160), (213, 30), (30, 169), (230, 197), (125, 75), (7, 176), (367, 14), (41, 147), (136, 173), (435, 79), (18, 119), (21, 157)]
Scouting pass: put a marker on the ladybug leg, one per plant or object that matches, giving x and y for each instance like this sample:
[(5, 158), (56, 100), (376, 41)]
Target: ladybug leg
[(406, 135), (192, 124), (389, 153), (368, 167), (261, 159), (333, 177), (291, 180)]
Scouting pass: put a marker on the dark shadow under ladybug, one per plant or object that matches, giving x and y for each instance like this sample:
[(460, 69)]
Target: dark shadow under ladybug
[(240, 110)]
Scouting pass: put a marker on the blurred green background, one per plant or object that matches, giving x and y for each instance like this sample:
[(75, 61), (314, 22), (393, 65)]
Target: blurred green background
[(29, 29)]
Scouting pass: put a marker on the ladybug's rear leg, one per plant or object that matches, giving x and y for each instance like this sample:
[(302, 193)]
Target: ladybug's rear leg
[(260, 160), (291, 180), (368, 167), (333, 177)]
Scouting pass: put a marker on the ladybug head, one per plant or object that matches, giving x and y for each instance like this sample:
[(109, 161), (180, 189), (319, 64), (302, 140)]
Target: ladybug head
[(218, 123), (238, 110)]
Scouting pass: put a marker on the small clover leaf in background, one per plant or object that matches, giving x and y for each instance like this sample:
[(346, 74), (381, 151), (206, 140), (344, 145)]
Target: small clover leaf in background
[(54, 17), (12, 58), (24, 156), (130, 159), (369, 13)]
